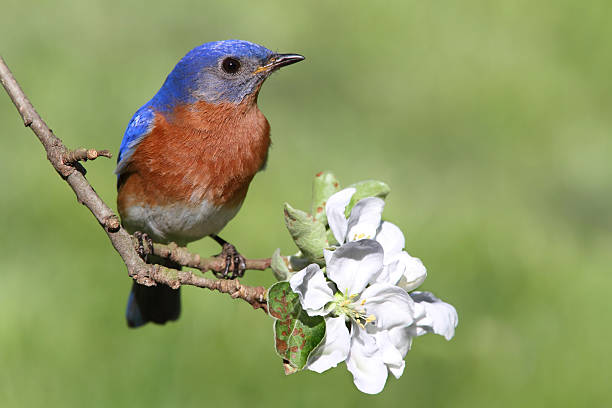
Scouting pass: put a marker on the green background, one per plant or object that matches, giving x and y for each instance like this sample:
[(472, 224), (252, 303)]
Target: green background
[(490, 121)]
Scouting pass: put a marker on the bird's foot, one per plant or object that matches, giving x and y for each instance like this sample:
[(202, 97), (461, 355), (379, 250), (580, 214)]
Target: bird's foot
[(145, 245), (235, 264)]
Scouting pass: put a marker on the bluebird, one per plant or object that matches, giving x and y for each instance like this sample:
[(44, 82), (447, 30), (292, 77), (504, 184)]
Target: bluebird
[(189, 154)]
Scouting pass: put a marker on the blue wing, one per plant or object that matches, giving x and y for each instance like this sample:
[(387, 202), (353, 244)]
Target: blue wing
[(140, 125)]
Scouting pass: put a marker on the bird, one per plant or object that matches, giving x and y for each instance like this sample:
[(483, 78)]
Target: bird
[(188, 155)]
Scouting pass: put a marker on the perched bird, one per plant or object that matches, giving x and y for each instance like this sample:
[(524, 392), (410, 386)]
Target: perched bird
[(189, 154)]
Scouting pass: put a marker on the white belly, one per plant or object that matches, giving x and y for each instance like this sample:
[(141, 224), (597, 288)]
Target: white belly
[(178, 223)]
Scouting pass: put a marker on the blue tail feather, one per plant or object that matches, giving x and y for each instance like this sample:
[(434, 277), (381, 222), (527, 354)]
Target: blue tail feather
[(158, 304)]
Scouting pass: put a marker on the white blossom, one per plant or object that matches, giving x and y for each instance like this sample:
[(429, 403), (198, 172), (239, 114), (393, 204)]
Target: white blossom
[(368, 320), (365, 222), (434, 315), (363, 295)]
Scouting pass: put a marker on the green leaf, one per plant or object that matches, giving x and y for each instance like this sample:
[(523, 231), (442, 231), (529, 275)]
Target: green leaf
[(296, 334), (367, 188), (309, 234), (323, 186), (279, 266)]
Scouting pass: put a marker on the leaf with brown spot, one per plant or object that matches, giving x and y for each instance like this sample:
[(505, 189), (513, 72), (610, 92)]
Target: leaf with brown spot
[(323, 186), (296, 334)]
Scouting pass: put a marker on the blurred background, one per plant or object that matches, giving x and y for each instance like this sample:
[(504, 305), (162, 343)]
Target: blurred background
[(489, 120)]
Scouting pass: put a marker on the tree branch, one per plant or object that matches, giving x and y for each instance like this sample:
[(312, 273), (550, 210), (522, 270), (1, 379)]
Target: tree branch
[(82, 154), (182, 256), (65, 163)]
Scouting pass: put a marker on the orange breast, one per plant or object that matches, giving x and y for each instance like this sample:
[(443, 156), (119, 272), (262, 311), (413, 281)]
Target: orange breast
[(198, 152)]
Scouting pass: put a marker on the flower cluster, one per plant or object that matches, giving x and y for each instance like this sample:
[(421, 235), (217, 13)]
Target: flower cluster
[(362, 292)]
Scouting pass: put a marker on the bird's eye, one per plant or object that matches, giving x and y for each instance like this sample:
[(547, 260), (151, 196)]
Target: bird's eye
[(230, 65)]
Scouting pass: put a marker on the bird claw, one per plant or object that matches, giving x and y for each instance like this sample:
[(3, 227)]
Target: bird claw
[(145, 245), (235, 264)]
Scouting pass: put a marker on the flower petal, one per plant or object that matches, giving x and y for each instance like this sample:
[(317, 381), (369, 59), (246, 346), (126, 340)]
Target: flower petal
[(365, 362), (401, 338), (391, 306), (440, 317), (354, 265), (327, 254), (414, 274), (334, 209), (391, 238), (335, 347), (391, 356), (392, 272), (365, 219), (311, 286)]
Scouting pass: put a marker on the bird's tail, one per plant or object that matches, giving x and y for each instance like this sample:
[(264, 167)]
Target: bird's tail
[(157, 304)]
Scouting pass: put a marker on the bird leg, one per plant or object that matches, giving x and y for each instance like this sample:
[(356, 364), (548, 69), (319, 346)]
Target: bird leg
[(145, 245), (233, 260)]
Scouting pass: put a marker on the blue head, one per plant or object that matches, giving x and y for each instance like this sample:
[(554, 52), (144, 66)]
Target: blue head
[(221, 71)]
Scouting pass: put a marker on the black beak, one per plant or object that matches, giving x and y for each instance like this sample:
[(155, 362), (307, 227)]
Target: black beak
[(279, 60)]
